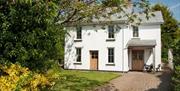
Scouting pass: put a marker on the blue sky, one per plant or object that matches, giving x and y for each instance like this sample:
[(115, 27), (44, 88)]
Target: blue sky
[(174, 6)]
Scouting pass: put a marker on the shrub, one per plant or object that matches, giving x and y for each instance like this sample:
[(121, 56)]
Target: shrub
[(176, 79), (15, 77), (176, 75), (28, 34)]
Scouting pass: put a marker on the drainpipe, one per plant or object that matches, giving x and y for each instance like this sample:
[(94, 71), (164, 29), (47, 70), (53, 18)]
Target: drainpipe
[(154, 64), (123, 49)]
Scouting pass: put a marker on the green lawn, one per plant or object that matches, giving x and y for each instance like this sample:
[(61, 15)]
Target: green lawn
[(73, 80)]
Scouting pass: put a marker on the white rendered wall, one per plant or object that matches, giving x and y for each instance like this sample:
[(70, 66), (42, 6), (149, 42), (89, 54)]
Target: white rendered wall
[(153, 32), (93, 38)]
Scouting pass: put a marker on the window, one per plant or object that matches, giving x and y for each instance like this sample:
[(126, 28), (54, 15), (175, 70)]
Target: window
[(111, 31), (110, 55), (94, 54), (79, 30), (135, 31), (78, 54)]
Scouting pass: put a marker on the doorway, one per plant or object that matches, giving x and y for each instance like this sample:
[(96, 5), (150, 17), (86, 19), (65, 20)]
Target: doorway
[(138, 60)]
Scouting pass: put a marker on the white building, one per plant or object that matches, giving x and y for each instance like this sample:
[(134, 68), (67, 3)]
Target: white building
[(116, 47)]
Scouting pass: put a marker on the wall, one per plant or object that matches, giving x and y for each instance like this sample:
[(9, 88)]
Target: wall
[(153, 32), (94, 38), (148, 32)]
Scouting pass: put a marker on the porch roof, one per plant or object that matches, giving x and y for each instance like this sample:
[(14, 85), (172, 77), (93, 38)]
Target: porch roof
[(143, 43)]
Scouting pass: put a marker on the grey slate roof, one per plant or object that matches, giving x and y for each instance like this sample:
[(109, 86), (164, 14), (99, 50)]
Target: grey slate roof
[(138, 42), (115, 19), (157, 18)]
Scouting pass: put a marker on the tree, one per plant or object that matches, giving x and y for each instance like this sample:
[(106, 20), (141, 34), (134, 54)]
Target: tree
[(75, 11), (168, 29), (170, 39), (28, 34), (176, 54)]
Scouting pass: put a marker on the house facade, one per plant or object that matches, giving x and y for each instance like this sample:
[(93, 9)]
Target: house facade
[(115, 46)]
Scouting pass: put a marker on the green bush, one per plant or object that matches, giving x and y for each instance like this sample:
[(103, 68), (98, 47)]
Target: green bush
[(176, 79), (28, 34), (176, 75)]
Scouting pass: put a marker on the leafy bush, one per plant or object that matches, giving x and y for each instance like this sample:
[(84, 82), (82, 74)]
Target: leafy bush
[(28, 34), (15, 77), (176, 78), (176, 75)]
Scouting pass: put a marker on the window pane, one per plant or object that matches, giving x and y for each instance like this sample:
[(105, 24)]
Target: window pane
[(79, 30), (109, 59), (110, 31), (78, 53), (79, 59), (111, 55), (135, 31), (141, 56), (112, 59)]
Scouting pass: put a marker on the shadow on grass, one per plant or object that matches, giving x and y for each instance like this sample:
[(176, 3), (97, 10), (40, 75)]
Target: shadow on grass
[(74, 83)]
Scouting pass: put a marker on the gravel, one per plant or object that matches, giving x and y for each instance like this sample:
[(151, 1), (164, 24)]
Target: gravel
[(140, 81)]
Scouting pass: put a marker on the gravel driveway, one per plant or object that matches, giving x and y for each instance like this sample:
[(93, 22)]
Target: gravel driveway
[(140, 81)]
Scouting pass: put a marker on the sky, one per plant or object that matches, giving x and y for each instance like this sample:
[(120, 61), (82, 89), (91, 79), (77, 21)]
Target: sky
[(173, 5)]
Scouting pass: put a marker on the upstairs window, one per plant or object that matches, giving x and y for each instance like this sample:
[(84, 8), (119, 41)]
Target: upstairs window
[(135, 31), (111, 31), (110, 55), (79, 32), (78, 54)]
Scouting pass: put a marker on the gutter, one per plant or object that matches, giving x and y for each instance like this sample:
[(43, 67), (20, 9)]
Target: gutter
[(95, 23)]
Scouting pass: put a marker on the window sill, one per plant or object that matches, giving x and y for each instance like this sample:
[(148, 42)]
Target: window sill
[(110, 39), (77, 40), (135, 38), (77, 63), (110, 64)]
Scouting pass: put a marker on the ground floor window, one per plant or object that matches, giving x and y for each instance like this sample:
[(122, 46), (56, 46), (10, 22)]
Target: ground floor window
[(110, 55), (78, 54)]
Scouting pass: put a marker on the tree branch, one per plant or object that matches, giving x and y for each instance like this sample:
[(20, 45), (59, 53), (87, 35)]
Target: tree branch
[(70, 17)]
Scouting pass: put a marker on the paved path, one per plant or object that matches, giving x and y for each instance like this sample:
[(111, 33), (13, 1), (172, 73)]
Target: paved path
[(140, 81)]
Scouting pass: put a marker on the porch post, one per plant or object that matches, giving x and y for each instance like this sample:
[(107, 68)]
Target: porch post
[(154, 69), (130, 59)]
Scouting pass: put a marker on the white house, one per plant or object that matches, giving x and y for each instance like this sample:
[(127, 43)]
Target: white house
[(116, 47)]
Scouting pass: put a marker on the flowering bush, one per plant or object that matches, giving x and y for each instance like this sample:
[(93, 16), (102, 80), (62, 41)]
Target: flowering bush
[(15, 77)]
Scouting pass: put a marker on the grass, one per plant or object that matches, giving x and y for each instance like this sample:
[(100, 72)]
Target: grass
[(73, 80), (92, 75)]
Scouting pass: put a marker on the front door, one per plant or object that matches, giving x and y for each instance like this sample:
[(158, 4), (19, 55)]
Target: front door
[(94, 60), (137, 59)]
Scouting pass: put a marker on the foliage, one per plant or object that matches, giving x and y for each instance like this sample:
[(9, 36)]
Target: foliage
[(176, 54), (28, 34), (176, 79), (15, 77), (78, 11), (170, 39), (168, 29)]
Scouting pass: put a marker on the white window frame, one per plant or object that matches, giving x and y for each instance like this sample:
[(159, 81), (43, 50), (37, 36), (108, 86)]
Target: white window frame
[(79, 33), (78, 55), (112, 55), (111, 33), (135, 30)]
